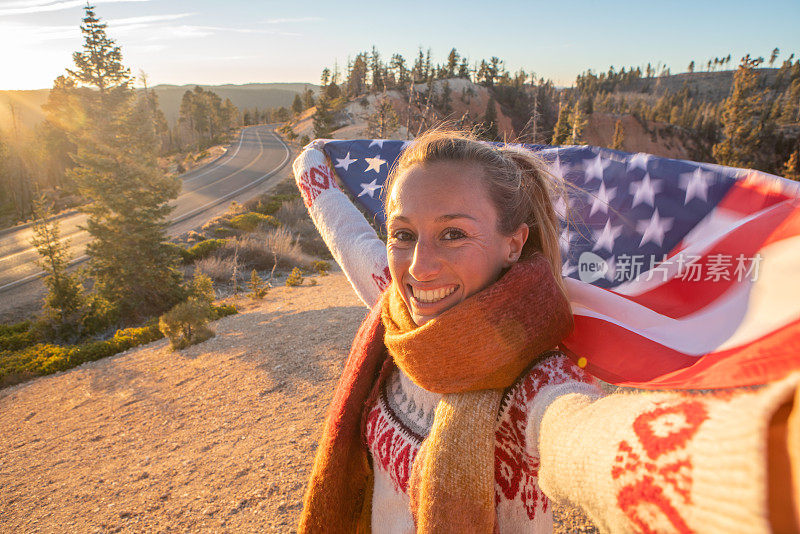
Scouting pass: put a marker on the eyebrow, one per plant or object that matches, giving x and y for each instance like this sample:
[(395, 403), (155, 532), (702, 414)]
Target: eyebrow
[(440, 218)]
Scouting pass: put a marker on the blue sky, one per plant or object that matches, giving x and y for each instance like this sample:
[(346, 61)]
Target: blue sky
[(201, 41)]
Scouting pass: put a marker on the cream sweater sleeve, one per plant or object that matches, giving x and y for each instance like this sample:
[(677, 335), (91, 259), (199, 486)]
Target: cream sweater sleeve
[(353, 243), (659, 461)]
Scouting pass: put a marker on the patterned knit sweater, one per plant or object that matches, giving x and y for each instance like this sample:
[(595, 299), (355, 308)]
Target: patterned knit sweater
[(635, 462)]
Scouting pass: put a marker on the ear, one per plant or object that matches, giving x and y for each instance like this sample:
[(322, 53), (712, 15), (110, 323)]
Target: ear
[(515, 243)]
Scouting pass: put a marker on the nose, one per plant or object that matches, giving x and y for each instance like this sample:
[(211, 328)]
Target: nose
[(426, 264)]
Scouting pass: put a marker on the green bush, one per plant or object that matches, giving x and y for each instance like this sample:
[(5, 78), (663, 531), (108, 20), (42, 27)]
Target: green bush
[(204, 249), (269, 205), (295, 278), (247, 222), (202, 288), (186, 324), (258, 289), (44, 358), (185, 255), (222, 310), (322, 267), (17, 336)]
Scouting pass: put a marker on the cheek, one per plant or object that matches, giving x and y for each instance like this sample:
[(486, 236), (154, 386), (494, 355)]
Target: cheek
[(399, 259)]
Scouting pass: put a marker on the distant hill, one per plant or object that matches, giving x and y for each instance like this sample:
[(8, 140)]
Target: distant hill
[(27, 105), (247, 96), (707, 86)]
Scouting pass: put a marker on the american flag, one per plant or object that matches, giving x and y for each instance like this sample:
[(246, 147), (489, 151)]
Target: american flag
[(680, 274)]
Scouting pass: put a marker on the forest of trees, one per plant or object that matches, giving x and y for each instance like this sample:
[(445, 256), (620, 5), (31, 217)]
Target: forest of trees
[(754, 122)]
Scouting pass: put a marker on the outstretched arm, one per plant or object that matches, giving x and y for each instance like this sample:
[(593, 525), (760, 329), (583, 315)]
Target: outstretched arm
[(668, 462), (353, 243)]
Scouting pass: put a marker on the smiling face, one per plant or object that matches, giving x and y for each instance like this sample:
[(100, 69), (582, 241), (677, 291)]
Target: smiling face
[(444, 244)]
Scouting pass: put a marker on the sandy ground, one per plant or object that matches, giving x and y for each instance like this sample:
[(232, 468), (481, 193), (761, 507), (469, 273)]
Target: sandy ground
[(218, 437)]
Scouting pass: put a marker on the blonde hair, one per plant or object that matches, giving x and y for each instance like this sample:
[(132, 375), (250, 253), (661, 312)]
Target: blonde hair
[(518, 182)]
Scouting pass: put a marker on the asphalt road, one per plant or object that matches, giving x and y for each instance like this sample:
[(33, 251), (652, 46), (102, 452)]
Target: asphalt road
[(252, 164)]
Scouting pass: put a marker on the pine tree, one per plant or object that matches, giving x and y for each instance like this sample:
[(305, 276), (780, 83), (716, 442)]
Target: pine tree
[(578, 122), (297, 105), (384, 121), (323, 119), (117, 171), (65, 305), (791, 169), (99, 65), (743, 121), (562, 128), (619, 136), (308, 98), (490, 129), (774, 55)]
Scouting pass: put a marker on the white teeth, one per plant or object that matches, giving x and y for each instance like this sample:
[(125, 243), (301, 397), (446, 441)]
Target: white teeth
[(429, 296)]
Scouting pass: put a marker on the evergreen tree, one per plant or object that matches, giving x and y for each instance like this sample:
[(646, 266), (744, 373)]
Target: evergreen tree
[(562, 128), (117, 171), (452, 63), (490, 129), (323, 119), (791, 169), (774, 55), (99, 65), (65, 305), (577, 124), (619, 136), (376, 69), (384, 121), (743, 126), (308, 99), (297, 105)]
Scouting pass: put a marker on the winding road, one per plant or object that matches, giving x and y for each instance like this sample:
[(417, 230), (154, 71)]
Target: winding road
[(250, 166)]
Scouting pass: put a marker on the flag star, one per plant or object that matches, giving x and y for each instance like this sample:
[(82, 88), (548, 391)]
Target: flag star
[(602, 198), (560, 207), (654, 229), (596, 167), (638, 161), (605, 239), (374, 164), (369, 189), (695, 184), (559, 169), (644, 191), (344, 163), (378, 142)]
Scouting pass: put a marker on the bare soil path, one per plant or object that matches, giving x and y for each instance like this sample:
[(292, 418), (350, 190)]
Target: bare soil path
[(218, 437)]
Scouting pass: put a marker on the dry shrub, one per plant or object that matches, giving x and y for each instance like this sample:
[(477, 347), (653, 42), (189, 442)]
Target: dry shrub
[(291, 213), (281, 243), (217, 268), (258, 250)]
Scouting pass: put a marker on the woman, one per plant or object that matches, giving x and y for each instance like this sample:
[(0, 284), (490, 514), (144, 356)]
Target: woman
[(456, 412)]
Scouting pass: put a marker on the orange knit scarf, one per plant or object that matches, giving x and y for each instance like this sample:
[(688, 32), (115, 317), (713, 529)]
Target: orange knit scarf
[(469, 354)]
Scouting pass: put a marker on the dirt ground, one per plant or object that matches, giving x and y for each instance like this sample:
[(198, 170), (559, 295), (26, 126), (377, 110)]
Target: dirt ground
[(218, 437)]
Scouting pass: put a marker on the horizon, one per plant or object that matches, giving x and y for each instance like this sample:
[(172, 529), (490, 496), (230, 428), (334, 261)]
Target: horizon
[(176, 42)]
